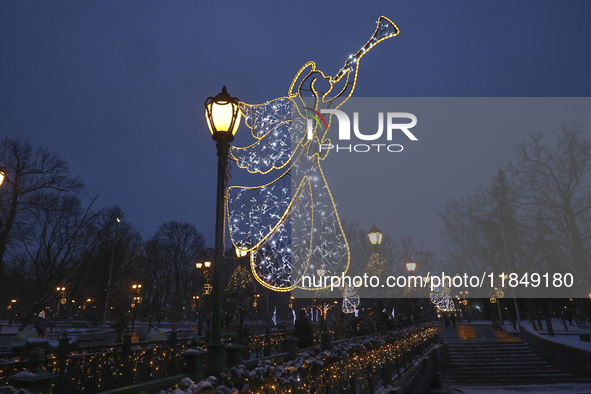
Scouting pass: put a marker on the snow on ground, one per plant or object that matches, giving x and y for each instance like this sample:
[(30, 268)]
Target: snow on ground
[(12, 390), (570, 337), (533, 389)]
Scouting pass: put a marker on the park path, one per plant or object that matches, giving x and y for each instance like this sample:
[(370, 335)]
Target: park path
[(480, 359)]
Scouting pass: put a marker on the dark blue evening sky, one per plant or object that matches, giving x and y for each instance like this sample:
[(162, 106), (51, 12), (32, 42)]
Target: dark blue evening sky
[(118, 87)]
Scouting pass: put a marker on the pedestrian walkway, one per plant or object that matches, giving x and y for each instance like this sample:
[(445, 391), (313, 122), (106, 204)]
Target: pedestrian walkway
[(477, 334), (481, 359)]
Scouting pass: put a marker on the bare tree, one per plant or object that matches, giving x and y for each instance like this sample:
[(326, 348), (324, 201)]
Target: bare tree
[(537, 218), (56, 244), (171, 254), (554, 192), (115, 257), (30, 175)]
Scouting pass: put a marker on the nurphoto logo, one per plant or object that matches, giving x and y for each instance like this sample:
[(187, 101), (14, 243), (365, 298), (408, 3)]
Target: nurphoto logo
[(392, 126)]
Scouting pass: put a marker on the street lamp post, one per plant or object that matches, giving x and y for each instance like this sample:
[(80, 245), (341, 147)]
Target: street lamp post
[(61, 299), (223, 118), (196, 305), (255, 304), (242, 254), (11, 309), (375, 239), (137, 299), (203, 267)]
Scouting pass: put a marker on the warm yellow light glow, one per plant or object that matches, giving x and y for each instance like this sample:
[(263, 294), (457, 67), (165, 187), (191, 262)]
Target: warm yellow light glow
[(2, 175), (13, 301), (241, 251), (221, 114), (199, 265), (207, 264), (295, 90), (134, 286), (374, 235), (411, 266)]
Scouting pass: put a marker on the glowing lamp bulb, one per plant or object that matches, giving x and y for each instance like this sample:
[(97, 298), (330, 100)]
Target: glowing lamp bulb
[(411, 266), (223, 116), (241, 251), (375, 236)]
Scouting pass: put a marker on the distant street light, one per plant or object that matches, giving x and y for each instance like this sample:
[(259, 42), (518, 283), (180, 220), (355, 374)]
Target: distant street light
[(223, 118), (2, 174), (137, 300), (241, 251), (197, 306), (375, 237), (203, 268), (11, 309), (411, 266), (62, 299)]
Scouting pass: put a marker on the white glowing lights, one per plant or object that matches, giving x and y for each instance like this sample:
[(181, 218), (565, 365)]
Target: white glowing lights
[(290, 225)]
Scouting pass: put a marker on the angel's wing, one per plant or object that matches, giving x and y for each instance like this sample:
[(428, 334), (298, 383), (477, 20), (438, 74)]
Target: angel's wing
[(271, 126)]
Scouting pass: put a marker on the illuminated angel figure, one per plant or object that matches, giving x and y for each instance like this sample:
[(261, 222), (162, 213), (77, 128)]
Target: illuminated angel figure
[(441, 297), (290, 226), (350, 299)]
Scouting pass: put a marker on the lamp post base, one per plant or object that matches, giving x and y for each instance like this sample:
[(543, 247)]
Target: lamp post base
[(216, 361)]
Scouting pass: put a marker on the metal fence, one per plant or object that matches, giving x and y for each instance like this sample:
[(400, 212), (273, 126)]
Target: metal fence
[(95, 369)]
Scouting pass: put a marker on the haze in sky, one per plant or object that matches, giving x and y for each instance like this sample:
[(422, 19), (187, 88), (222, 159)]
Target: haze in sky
[(118, 89)]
